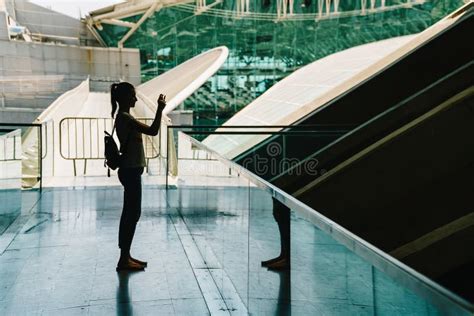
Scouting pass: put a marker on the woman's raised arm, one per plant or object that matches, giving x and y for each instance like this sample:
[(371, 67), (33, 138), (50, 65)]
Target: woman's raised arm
[(155, 126)]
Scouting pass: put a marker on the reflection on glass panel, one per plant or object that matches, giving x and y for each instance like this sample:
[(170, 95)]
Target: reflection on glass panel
[(322, 277), (20, 174), (213, 224), (269, 290), (10, 176), (326, 277), (262, 50), (283, 153), (251, 253)]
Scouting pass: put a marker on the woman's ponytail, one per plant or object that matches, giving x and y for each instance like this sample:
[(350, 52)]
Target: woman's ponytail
[(119, 92), (113, 98)]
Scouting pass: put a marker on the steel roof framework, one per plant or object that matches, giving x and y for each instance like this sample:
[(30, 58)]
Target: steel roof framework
[(325, 9)]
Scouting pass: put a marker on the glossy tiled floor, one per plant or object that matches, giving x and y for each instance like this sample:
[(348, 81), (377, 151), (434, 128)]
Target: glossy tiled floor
[(61, 259), (204, 253)]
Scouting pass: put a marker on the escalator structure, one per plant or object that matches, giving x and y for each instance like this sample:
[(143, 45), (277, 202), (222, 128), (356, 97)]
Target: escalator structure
[(402, 176)]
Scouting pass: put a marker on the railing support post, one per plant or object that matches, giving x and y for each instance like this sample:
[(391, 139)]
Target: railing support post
[(40, 157), (167, 154)]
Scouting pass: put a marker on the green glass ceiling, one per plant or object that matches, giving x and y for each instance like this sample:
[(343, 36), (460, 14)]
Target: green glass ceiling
[(262, 51)]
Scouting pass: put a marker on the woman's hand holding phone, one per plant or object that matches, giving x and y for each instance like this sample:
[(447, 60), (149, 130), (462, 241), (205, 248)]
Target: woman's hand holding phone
[(161, 102)]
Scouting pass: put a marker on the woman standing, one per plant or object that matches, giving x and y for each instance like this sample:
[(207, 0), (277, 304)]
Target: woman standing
[(129, 132)]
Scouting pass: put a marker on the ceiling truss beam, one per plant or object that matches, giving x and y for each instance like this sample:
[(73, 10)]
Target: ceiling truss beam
[(118, 22), (154, 7)]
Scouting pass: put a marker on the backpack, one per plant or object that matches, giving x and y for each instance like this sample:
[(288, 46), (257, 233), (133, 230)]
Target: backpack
[(111, 152)]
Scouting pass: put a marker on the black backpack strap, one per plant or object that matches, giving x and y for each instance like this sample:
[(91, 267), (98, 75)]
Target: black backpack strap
[(110, 135), (113, 130), (126, 140)]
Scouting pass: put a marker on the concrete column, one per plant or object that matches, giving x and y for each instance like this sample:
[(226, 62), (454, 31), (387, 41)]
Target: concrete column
[(3, 24)]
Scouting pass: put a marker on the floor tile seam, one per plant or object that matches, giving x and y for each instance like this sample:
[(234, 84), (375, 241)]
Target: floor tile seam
[(167, 282), (105, 187), (318, 304), (323, 299), (103, 302), (20, 218), (56, 246), (233, 285), (304, 299), (21, 221), (34, 226), (39, 247), (196, 243), (70, 188), (166, 274), (62, 308), (190, 264)]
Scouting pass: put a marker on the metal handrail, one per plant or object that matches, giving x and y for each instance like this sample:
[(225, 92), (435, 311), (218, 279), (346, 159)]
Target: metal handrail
[(92, 153), (39, 177), (91, 130), (445, 300), (45, 136), (15, 134)]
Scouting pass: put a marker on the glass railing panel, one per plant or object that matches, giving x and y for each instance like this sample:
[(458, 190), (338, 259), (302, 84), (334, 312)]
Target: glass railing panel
[(321, 275), (10, 177), (288, 153), (20, 172), (281, 150), (212, 209), (328, 278), (269, 291), (232, 221)]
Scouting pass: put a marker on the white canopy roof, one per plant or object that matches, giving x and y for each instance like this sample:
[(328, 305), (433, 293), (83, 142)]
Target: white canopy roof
[(301, 93)]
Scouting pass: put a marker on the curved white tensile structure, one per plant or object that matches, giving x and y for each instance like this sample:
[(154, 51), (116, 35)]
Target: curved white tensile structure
[(177, 83), (302, 92), (180, 82), (67, 104)]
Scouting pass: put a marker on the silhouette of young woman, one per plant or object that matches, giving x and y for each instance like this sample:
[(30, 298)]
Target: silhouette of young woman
[(129, 132)]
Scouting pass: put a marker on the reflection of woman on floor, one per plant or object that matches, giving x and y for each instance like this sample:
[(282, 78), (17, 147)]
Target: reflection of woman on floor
[(281, 213), (132, 163)]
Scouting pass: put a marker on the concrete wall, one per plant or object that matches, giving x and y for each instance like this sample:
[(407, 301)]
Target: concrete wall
[(102, 64), (3, 26), (29, 71), (36, 67), (19, 115), (45, 21), (8, 5), (181, 117)]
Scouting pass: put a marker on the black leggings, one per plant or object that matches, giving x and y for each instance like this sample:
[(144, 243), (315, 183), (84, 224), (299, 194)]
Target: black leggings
[(281, 213), (131, 179)]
